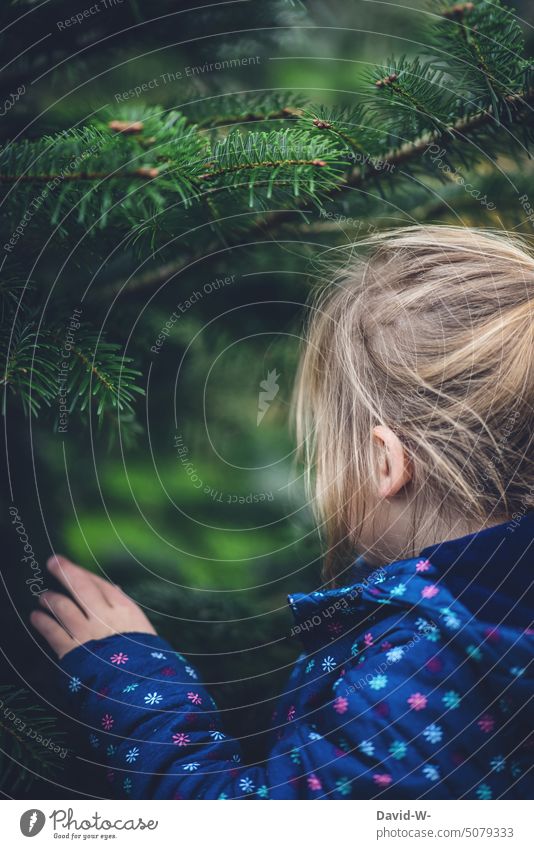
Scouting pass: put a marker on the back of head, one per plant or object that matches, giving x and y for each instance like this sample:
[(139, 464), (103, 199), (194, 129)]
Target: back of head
[(431, 334)]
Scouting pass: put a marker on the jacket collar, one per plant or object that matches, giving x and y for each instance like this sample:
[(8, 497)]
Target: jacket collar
[(501, 551)]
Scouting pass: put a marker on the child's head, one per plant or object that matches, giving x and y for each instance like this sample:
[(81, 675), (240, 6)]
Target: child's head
[(416, 391)]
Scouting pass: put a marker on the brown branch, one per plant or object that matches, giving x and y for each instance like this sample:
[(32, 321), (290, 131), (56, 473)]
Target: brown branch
[(459, 131), (268, 163), (286, 113), (146, 173)]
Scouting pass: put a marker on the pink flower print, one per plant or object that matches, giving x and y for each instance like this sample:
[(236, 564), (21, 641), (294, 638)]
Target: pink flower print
[(422, 566), (383, 779), (429, 591), (341, 705), (368, 639), (195, 698), (119, 658), (291, 713), (314, 783), (102, 693), (385, 646), (486, 723), (107, 722), (434, 664), (492, 635), (168, 671), (417, 701), (181, 739), (335, 628)]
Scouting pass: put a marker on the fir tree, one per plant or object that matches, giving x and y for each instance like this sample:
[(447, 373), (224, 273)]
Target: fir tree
[(107, 211)]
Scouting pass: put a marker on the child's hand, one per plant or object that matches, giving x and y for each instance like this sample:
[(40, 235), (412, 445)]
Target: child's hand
[(99, 610)]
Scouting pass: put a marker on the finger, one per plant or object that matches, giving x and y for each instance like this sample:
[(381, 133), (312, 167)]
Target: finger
[(65, 610), (89, 590), (54, 634)]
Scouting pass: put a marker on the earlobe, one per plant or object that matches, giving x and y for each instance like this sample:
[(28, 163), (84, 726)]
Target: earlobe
[(394, 468)]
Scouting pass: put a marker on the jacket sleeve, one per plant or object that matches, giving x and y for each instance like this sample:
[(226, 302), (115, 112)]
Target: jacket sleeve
[(149, 721), (349, 733)]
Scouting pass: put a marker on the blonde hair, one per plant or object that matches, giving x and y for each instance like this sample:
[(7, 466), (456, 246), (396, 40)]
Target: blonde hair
[(432, 334)]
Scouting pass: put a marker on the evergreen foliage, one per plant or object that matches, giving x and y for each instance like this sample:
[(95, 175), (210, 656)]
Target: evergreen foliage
[(125, 201)]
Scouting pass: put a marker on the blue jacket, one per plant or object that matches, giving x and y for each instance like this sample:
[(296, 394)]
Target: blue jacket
[(414, 683)]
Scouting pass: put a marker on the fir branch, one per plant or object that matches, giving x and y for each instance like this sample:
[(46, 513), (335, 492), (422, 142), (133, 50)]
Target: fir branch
[(80, 176), (482, 44), (459, 132), (32, 369), (20, 746)]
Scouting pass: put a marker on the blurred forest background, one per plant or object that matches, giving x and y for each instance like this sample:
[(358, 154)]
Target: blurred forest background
[(195, 508)]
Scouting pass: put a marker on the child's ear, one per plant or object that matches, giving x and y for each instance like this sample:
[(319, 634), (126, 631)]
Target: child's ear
[(394, 468)]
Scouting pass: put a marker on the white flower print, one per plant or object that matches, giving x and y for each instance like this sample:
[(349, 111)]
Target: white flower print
[(450, 619), (367, 747), (328, 664), (395, 654), (127, 784), (153, 698), (158, 655), (433, 733), (75, 684), (132, 755), (130, 688), (246, 785), (217, 735), (398, 590), (431, 772), (191, 672), (313, 735), (191, 767)]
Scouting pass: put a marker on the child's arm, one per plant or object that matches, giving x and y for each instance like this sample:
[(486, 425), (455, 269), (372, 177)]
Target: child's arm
[(146, 716), (377, 724)]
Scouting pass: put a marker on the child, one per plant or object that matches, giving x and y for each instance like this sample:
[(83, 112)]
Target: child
[(415, 403)]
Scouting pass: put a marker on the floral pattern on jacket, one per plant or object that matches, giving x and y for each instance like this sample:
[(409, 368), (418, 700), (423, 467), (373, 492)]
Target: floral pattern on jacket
[(413, 683)]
